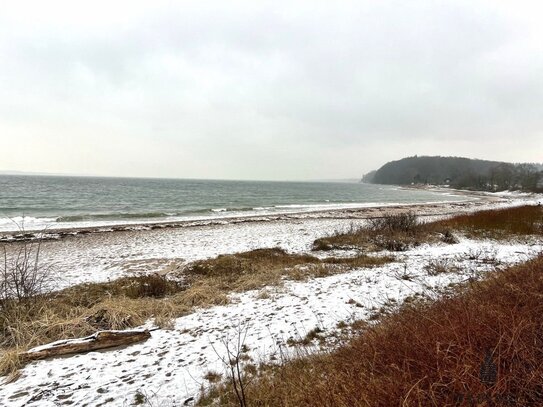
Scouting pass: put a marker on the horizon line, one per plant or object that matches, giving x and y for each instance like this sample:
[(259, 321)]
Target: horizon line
[(70, 175)]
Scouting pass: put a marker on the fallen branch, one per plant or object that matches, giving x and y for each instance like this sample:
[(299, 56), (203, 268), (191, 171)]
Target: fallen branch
[(99, 340)]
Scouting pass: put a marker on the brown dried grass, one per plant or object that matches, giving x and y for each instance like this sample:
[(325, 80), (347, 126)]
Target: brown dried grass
[(394, 232), (268, 267), (505, 223), (399, 232), (426, 354), (81, 310), (130, 301)]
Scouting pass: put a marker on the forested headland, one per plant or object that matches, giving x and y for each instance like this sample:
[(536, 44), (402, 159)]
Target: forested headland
[(460, 172)]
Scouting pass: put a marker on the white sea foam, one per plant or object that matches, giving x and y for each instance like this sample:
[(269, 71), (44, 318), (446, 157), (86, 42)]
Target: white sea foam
[(20, 223)]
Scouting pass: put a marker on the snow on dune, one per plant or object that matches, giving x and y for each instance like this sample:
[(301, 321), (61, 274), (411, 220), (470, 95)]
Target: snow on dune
[(170, 367)]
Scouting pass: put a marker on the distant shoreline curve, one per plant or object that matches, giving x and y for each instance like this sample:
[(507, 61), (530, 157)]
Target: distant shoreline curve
[(366, 212)]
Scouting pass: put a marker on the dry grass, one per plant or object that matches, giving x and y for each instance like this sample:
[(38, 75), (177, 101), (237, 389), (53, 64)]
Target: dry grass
[(482, 346), (10, 362), (130, 301), (84, 309), (359, 261), (247, 270), (267, 267), (403, 231), (212, 376), (314, 335), (397, 232), (499, 223), (144, 286), (59, 317), (440, 266)]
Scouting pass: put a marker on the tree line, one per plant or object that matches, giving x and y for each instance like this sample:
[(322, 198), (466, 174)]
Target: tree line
[(460, 172)]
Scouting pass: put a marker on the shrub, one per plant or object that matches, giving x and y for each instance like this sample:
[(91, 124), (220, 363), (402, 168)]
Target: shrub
[(448, 237), (393, 232), (402, 222), (151, 285), (22, 277), (440, 266)]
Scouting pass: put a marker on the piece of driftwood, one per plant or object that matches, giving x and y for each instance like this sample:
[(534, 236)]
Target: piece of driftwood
[(99, 340)]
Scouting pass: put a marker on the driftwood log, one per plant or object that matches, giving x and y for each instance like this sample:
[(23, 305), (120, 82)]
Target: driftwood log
[(99, 340)]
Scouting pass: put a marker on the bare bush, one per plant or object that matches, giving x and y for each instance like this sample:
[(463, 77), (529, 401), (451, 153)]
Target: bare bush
[(440, 266), (448, 237), (484, 256), (24, 281), (233, 362), (392, 232), (22, 277), (402, 222)]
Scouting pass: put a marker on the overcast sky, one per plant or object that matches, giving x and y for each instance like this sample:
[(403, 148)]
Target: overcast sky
[(266, 90)]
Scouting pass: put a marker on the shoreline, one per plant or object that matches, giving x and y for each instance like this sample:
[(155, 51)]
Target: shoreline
[(363, 212), (102, 256)]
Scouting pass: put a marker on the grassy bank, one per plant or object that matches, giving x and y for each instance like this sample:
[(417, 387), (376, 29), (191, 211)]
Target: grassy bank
[(403, 231), (498, 224), (482, 345), (130, 301)]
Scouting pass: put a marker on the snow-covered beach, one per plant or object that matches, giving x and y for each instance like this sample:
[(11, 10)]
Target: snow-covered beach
[(169, 368)]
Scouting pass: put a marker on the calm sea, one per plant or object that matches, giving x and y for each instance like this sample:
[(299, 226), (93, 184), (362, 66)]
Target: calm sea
[(54, 202)]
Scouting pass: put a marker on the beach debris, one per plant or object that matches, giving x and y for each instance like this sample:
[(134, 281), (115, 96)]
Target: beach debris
[(98, 340)]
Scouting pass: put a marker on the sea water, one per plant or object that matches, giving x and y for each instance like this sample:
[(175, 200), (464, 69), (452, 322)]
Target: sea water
[(38, 202)]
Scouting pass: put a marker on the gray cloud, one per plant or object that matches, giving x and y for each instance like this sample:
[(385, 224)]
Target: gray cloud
[(266, 90)]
